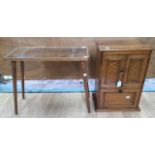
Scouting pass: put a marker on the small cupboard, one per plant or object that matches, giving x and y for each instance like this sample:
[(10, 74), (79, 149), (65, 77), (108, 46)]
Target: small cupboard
[(121, 70)]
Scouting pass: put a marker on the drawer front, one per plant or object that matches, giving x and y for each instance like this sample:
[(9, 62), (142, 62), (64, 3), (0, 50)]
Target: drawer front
[(119, 100)]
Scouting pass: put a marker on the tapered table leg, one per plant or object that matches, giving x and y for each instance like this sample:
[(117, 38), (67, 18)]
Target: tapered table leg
[(86, 86), (22, 79), (14, 73)]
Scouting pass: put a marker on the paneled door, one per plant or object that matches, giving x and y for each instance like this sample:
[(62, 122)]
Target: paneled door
[(135, 70), (112, 70)]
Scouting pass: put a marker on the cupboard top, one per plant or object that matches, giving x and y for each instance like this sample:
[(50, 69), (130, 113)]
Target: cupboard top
[(122, 45)]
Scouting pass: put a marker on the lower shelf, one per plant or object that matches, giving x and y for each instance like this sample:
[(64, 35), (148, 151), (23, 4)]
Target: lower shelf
[(112, 109)]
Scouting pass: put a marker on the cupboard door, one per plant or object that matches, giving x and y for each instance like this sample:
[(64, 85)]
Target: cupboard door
[(112, 66), (135, 70)]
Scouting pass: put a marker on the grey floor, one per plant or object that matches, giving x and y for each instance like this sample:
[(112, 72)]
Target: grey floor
[(67, 105)]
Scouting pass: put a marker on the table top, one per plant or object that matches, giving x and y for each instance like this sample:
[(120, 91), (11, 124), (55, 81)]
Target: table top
[(122, 45), (48, 54)]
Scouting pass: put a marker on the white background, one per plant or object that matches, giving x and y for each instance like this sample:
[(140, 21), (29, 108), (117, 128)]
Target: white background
[(77, 18), (72, 18)]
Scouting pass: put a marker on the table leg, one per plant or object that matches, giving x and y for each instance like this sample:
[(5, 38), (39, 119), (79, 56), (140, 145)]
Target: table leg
[(14, 73), (85, 80), (22, 79)]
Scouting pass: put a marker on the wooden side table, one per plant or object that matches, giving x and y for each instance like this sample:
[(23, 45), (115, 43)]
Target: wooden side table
[(27, 54)]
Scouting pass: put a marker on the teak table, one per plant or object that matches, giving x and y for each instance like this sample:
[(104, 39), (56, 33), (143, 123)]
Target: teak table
[(27, 54)]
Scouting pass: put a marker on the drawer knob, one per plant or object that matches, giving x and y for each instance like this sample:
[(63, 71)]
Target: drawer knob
[(128, 97)]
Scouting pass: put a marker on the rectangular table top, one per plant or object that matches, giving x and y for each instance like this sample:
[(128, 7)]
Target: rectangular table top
[(48, 54)]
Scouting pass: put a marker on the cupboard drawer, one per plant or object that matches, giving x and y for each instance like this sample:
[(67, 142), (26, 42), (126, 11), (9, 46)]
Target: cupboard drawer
[(118, 100)]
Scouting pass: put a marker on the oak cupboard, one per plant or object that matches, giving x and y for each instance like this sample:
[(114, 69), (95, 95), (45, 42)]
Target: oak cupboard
[(121, 69)]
